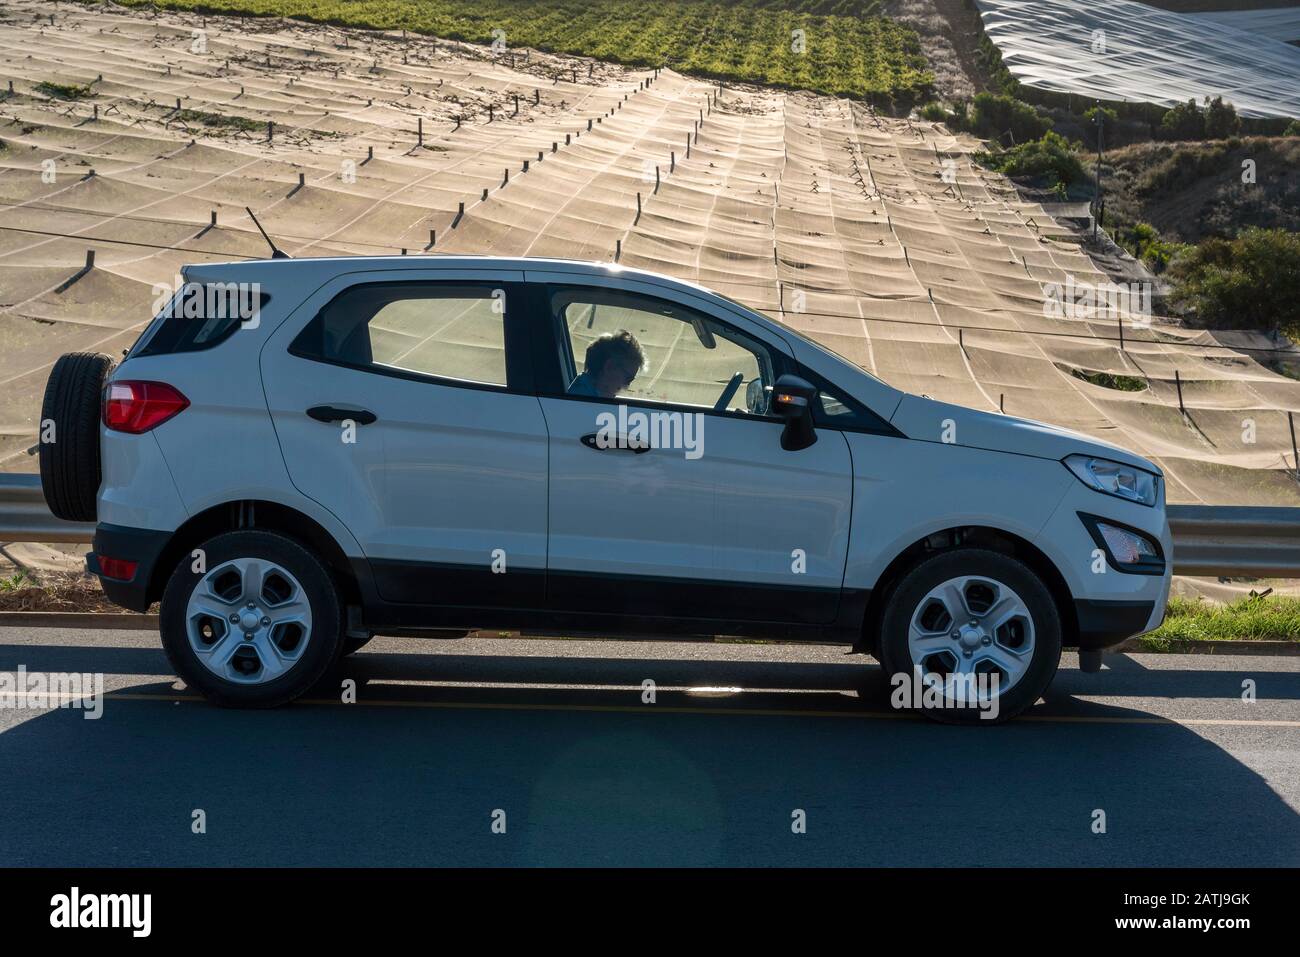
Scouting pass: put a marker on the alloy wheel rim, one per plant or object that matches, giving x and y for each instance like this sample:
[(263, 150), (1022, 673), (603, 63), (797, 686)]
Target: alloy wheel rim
[(969, 626), (248, 621)]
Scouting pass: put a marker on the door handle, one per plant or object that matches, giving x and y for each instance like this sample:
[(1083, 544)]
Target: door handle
[(328, 413), (620, 444)]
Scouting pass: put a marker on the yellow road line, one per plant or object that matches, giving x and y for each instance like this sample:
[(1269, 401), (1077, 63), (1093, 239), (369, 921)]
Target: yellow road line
[(759, 712)]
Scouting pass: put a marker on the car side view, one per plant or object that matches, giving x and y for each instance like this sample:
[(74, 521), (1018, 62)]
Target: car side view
[(429, 445)]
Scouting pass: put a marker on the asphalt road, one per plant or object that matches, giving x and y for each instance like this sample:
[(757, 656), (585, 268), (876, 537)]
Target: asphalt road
[(445, 734)]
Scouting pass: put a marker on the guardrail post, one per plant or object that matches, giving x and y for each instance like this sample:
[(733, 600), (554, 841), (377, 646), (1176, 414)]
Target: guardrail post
[(1290, 420)]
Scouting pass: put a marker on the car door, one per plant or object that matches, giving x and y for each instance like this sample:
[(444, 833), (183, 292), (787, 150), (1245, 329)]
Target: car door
[(404, 405), (689, 507)]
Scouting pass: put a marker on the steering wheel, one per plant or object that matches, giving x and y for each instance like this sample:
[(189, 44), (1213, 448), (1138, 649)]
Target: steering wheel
[(729, 392)]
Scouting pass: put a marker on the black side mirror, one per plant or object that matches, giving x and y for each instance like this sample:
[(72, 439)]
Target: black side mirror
[(792, 399)]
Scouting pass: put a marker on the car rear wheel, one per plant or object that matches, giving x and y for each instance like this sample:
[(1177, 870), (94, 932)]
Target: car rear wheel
[(255, 624), (969, 626), (69, 434)]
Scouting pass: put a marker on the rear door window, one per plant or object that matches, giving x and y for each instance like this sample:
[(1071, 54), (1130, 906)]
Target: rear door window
[(437, 330)]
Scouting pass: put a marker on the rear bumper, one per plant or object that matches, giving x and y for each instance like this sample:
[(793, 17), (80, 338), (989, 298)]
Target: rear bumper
[(144, 546)]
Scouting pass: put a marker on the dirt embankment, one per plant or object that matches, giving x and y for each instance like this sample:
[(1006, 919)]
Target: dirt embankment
[(949, 32), (1192, 191)]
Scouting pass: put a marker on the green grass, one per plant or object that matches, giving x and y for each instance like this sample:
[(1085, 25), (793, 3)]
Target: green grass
[(850, 50), (14, 582), (1249, 619), (63, 91), (1110, 380), (218, 121)]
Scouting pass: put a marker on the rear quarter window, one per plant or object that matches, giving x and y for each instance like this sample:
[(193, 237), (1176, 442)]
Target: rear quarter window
[(201, 316)]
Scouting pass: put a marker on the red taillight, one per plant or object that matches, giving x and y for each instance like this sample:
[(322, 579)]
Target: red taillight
[(137, 407), (117, 568)]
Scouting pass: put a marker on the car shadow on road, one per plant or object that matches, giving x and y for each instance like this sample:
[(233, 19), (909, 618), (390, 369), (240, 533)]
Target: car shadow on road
[(596, 774)]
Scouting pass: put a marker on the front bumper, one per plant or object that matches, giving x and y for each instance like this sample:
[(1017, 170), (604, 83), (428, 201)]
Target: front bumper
[(144, 546), (1103, 623), (1110, 603)]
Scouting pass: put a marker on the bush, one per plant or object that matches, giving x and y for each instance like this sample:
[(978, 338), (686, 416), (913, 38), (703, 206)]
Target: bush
[(64, 91), (1186, 121), (1251, 282), (1110, 116), (1183, 122), (997, 114), (1293, 129), (1049, 162), (1143, 241), (1179, 168), (935, 113)]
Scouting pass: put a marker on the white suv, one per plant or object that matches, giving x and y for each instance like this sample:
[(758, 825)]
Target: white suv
[(424, 445)]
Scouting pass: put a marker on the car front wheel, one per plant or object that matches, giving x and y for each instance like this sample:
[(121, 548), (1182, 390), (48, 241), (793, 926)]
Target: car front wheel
[(970, 635), (251, 619)]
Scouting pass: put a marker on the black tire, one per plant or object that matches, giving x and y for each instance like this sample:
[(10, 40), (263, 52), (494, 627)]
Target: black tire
[(70, 464), (324, 639), (906, 597)]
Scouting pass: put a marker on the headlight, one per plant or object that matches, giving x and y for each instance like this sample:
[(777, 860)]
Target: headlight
[(1114, 478)]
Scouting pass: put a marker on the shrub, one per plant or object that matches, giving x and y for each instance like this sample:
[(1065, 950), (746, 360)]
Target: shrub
[(935, 113), (1293, 129), (1186, 121), (996, 114), (1110, 116), (1251, 282), (1111, 380), (1143, 241), (1181, 169), (1050, 162), (64, 91)]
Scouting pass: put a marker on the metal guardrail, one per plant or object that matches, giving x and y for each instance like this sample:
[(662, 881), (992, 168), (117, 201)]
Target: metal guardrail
[(1237, 540), (1209, 540), (24, 516)]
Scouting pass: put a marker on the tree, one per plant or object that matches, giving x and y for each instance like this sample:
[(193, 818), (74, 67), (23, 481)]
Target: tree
[(1183, 122), (1221, 120), (1251, 282)]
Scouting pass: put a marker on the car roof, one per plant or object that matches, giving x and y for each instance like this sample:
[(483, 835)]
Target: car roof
[(318, 270), (339, 265)]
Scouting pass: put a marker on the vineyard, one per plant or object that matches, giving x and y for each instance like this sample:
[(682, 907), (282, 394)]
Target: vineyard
[(845, 47)]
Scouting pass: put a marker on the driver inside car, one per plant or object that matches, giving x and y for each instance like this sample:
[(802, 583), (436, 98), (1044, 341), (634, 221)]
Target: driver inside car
[(612, 362)]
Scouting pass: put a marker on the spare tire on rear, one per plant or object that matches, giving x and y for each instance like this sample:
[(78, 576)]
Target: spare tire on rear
[(70, 464)]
